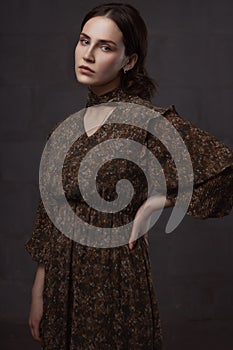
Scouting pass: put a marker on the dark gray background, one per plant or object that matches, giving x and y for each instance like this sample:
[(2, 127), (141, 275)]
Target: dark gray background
[(190, 55)]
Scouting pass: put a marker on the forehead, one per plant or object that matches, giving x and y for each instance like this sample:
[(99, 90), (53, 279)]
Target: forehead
[(104, 28)]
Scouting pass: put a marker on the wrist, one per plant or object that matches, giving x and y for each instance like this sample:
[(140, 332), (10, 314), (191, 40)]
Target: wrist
[(155, 203), (37, 291)]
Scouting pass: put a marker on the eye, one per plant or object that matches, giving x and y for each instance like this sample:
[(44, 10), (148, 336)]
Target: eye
[(83, 41), (106, 47)]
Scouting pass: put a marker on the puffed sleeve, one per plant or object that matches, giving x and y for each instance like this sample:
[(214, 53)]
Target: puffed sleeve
[(212, 163)]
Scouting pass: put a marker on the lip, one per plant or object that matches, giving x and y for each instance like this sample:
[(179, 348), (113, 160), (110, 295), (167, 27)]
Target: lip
[(86, 69)]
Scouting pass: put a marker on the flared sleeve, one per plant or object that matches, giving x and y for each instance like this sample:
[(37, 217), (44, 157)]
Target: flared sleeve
[(39, 245), (212, 163)]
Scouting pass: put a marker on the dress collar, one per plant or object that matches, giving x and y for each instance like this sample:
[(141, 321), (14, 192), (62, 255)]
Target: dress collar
[(117, 94)]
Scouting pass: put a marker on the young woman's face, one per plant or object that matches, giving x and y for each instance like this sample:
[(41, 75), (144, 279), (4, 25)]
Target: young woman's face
[(100, 48)]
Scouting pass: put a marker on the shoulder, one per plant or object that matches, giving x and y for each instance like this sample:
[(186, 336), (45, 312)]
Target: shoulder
[(169, 110), (170, 113), (73, 117)]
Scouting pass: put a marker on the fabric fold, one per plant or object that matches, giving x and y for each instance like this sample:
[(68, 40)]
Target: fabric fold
[(39, 245), (212, 163)]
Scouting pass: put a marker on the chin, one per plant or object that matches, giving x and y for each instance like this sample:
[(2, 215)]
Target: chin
[(83, 80)]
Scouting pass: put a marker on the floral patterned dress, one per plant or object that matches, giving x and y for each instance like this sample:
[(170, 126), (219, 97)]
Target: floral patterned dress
[(104, 298)]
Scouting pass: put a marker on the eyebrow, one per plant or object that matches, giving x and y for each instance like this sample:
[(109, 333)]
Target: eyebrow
[(100, 40)]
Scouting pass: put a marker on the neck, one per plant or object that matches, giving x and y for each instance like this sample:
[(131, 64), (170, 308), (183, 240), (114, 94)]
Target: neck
[(102, 90), (115, 94)]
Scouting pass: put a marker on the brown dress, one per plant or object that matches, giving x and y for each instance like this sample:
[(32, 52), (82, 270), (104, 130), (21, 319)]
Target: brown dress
[(104, 298)]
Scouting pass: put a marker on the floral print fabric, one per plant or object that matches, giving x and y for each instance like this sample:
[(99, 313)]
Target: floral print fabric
[(104, 298)]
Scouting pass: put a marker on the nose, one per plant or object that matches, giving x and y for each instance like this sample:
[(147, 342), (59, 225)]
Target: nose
[(89, 55)]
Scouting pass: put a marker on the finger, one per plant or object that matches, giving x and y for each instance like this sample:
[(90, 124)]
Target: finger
[(35, 332), (146, 238), (131, 245), (132, 241), (31, 329), (134, 235)]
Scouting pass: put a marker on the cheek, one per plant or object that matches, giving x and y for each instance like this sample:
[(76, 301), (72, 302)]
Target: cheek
[(77, 52), (110, 63)]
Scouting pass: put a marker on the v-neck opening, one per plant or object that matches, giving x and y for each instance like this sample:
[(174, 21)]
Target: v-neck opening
[(92, 135), (101, 126)]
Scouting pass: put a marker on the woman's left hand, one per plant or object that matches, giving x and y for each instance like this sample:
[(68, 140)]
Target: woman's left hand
[(142, 219), (141, 224)]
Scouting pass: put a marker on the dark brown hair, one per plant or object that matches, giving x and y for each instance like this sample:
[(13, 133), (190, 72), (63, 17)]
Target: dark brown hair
[(136, 81)]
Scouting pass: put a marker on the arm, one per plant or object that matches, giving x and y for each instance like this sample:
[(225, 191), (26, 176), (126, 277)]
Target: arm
[(38, 285), (156, 202), (212, 164), (36, 309), (143, 215)]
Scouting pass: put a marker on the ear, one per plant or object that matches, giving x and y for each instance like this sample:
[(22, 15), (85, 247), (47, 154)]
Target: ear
[(131, 62)]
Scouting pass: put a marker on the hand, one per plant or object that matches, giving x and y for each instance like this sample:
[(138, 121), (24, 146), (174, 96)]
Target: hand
[(35, 316), (142, 219), (141, 224)]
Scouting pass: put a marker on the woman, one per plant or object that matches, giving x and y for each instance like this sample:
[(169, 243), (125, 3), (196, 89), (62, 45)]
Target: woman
[(103, 298)]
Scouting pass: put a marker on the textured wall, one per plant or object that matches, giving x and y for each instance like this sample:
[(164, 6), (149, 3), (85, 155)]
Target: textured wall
[(190, 55)]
